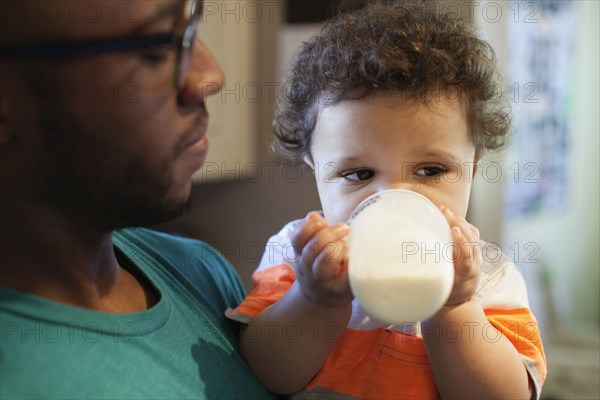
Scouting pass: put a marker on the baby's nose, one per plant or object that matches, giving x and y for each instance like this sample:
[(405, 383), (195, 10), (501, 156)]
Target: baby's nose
[(398, 185)]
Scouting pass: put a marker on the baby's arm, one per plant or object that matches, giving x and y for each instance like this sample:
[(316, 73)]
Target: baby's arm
[(465, 362), (318, 303)]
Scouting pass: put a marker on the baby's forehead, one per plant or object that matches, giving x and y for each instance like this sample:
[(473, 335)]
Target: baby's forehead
[(392, 124)]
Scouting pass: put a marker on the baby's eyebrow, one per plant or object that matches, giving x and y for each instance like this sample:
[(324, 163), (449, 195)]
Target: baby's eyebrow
[(346, 159), (441, 154)]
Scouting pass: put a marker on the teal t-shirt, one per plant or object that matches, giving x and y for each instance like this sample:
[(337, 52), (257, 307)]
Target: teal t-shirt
[(181, 348)]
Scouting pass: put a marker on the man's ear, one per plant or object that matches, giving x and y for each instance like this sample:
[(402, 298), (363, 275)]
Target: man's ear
[(5, 134)]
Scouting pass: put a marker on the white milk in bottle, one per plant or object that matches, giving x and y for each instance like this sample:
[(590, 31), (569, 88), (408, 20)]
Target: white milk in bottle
[(400, 256)]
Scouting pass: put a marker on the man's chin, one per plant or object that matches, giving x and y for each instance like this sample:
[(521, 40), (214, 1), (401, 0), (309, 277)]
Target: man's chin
[(150, 215)]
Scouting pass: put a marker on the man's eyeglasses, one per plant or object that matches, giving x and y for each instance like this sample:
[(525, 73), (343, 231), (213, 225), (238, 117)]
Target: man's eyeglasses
[(182, 38)]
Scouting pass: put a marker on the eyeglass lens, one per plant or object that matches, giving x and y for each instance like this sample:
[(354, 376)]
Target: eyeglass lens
[(191, 15)]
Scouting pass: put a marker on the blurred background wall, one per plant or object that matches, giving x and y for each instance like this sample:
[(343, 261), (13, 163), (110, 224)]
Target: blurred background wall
[(539, 199), (544, 208)]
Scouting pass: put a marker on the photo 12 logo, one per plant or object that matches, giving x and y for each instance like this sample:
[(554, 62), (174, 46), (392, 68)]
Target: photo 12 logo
[(68, 332)]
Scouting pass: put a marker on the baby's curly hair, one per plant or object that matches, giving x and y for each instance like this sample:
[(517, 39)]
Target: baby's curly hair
[(413, 50)]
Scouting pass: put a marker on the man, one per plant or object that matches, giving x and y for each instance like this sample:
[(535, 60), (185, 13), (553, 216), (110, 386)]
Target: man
[(102, 124)]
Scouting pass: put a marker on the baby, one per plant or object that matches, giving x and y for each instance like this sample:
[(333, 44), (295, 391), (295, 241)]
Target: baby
[(389, 97)]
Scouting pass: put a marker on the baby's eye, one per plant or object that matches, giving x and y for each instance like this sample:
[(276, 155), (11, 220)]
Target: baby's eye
[(358, 175), (430, 170)]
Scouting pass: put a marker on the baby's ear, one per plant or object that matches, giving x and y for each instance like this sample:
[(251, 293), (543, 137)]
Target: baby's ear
[(475, 167), (309, 161)]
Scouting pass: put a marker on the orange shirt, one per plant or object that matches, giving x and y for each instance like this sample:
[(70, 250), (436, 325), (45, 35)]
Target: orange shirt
[(385, 363)]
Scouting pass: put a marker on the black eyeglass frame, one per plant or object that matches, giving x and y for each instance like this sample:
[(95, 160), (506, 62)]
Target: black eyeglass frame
[(183, 38)]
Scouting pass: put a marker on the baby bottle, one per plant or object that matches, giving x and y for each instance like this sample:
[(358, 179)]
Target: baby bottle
[(400, 256)]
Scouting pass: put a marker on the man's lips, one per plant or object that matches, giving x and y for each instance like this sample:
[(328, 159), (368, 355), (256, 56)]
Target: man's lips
[(200, 136), (196, 134)]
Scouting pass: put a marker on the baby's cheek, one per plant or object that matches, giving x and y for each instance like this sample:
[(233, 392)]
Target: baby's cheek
[(337, 211)]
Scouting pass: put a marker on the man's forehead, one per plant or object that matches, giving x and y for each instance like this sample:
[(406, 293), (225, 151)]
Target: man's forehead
[(31, 20)]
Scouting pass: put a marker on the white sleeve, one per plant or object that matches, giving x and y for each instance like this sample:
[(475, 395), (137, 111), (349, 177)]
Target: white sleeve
[(501, 284), (279, 249)]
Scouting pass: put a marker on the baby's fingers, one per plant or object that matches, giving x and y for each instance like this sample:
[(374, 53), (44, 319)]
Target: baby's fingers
[(466, 238), (319, 246), (462, 244), (340, 285), (331, 261), (313, 223)]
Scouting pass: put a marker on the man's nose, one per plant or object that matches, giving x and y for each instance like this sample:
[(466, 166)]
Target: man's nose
[(204, 78)]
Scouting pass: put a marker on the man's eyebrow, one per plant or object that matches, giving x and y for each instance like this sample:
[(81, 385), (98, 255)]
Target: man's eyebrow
[(164, 10)]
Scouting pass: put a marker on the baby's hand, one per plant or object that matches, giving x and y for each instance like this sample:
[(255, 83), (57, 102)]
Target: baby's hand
[(466, 256), (322, 269)]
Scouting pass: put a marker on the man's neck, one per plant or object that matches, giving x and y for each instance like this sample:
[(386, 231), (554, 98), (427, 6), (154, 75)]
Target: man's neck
[(49, 256)]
